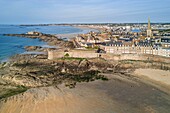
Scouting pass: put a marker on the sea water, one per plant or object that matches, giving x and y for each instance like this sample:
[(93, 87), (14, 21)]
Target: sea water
[(11, 45)]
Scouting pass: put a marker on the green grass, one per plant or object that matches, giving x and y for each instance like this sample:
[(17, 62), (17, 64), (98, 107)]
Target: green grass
[(92, 48), (11, 92), (88, 76), (66, 55)]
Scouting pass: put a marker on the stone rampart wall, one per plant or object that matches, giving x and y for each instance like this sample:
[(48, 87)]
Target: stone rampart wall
[(78, 54), (144, 57), (108, 56)]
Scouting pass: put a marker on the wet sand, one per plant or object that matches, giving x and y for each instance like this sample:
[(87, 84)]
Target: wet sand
[(155, 74), (155, 77), (121, 94)]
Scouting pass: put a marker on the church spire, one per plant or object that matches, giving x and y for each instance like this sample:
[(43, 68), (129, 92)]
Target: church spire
[(149, 24), (149, 30)]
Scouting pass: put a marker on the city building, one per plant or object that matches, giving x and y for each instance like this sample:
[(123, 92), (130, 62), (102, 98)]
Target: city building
[(165, 42)]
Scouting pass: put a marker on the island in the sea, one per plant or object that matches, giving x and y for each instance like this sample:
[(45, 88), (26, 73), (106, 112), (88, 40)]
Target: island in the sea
[(121, 68)]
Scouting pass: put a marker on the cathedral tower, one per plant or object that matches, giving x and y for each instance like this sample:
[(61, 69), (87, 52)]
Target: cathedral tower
[(149, 30)]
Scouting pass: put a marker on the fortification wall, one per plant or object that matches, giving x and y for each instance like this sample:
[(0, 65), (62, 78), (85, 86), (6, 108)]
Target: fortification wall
[(78, 54), (112, 56), (83, 54), (55, 54), (108, 56), (144, 57)]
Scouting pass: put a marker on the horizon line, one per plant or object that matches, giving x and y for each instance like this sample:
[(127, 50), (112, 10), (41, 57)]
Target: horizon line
[(72, 23)]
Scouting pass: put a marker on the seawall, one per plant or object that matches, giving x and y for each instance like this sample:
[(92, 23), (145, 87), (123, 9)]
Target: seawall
[(108, 56)]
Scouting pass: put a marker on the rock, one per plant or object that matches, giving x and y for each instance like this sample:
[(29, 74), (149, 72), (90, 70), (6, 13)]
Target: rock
[(33, 48), (110, 69), (94, 68), (63, 70), (2, 82), (22, 80), (4, 64), (83, 63)]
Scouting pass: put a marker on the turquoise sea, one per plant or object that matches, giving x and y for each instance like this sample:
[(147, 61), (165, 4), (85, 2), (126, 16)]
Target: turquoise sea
[(10, 46)]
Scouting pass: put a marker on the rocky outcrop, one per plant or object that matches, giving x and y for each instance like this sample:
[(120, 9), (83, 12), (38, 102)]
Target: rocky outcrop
[(36, 70), (50, 39), (33, 48), (33, 71)]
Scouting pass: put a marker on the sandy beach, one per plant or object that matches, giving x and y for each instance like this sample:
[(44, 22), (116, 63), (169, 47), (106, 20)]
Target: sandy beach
[(155, 77), (84, 29), (121, 94), (155, 74)]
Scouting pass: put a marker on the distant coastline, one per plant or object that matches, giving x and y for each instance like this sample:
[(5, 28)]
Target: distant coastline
[(75, 24)]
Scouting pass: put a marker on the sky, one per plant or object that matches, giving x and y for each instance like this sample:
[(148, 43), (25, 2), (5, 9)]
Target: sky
[(83, 11)]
